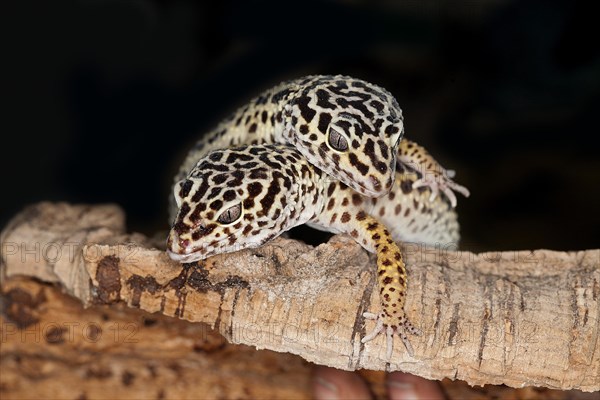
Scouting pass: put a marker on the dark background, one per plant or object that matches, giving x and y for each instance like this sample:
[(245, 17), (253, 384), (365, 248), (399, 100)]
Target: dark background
[(105, 97)]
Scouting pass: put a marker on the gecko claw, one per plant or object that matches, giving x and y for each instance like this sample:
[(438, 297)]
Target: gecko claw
[(443, 183), (409, 348), (389, 338), (376, 331), (380, 327)]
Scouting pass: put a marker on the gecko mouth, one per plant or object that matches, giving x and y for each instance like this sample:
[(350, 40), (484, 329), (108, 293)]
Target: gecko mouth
[(192, 254), (184, 258)]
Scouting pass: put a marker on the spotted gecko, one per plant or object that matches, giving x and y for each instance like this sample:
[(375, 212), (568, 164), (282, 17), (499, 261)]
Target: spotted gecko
[(243, 197), (350, 129)]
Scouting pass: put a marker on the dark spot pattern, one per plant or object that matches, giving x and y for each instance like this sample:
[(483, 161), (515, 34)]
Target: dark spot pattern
[(267, 180), (324, 121), (305, 111)]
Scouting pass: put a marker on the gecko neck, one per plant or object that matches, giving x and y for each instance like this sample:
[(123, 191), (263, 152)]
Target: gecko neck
[(309, 192)]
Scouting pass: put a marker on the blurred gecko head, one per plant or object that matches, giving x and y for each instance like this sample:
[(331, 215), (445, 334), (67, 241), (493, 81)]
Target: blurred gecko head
[(232, 199), (348, 128)]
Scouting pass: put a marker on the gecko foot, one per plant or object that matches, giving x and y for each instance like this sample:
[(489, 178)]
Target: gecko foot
[(441, 182), (403, 326)]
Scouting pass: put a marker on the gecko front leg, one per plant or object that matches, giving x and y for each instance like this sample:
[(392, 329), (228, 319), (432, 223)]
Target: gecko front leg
[(392, 282), (415, 158)]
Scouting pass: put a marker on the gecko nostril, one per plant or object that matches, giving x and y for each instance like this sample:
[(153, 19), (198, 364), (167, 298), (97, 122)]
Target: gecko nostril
[(375, 182), (184, 243), (201, 230)]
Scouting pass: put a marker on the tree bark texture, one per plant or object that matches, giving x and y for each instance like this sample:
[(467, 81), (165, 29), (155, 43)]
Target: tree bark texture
[(523, 318)]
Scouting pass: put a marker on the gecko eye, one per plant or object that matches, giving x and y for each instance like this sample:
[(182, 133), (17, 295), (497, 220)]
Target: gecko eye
[(336, 140), (230, 215)]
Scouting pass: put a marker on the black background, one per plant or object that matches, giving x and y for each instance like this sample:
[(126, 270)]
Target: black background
[(105, 97)]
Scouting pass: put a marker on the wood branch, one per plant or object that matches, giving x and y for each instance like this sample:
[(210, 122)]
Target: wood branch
[(62, 351), (54, 348), (516, 318)]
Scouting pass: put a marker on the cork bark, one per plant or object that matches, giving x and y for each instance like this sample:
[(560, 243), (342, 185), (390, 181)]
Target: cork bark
[(523, 318)]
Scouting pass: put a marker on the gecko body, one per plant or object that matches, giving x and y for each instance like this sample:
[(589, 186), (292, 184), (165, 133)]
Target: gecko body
[(349, 128), (243, 197)]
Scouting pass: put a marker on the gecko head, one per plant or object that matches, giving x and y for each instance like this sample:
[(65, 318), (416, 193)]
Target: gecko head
[(350, 129), (233, 199)]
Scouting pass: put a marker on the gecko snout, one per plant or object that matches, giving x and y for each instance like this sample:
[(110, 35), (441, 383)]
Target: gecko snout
[(177, 243)]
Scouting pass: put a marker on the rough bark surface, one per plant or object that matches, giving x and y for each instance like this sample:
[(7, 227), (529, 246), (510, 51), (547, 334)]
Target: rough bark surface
[(53, 348), (516, 318)]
